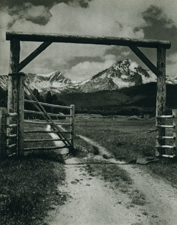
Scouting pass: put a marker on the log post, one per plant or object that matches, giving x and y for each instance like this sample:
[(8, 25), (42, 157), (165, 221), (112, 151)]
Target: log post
[(12, 105), (3, 133), (161, 96), (72, 112), (20, 130)]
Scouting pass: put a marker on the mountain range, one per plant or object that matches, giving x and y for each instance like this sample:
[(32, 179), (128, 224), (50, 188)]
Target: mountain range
[(123, 88), (120, 75)]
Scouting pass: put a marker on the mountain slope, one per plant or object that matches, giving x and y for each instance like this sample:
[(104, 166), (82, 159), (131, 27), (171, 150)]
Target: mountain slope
[(120, 75), (132, 100)]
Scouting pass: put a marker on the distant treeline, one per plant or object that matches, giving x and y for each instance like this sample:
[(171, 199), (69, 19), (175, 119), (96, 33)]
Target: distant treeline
[(138, 100), (3, 98), (47, 98)]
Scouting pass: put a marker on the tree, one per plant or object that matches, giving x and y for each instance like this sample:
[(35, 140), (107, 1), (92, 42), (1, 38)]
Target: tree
[(49, 98)]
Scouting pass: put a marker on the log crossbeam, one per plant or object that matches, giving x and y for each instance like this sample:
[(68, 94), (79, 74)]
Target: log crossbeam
[(47, 39), (34, 54), (147, 43), (144, 59)]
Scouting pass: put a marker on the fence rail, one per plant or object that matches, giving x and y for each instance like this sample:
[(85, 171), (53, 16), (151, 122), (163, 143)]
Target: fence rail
[(50, 114), (44, 148), (49, 105), (46, 123), (9, 128), (167, 150), (8, 133), (69, 123)]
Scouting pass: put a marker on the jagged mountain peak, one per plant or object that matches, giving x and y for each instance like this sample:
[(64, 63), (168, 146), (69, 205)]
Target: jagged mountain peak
[(58, 76), (123, 73)]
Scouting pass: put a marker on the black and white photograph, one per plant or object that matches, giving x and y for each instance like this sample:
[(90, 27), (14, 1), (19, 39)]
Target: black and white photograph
[(88, 112)]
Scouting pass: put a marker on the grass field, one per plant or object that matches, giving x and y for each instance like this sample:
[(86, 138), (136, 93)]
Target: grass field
[(126, 138)]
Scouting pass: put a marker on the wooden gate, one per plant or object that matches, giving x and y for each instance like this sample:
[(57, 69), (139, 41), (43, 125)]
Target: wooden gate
[(14, 119), (56, 121)]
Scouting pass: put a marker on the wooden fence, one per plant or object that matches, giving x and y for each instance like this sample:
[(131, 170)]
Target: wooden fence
[(12, 122), (10, 135), (166, 142), (66, 120)]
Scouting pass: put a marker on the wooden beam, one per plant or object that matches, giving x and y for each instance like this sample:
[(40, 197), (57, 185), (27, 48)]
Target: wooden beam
[(42, 113), (12, 104), (72, 113), (33, 55), (21, 77), (41, 122), (146, 61), (49, 105), (14, 62), (148, 43), (161, 82), (45, 148), (46, 131), (43, 140), (161, 95)]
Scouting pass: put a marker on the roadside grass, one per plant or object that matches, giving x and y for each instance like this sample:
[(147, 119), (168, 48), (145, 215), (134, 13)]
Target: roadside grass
[(126, 138), (166, 168), (29, 185)]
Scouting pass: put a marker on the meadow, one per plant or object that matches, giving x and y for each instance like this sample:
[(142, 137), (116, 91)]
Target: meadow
[(124, 137), (127, 138)]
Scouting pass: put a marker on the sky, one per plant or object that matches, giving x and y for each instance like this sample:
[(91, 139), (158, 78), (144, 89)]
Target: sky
[(141, 19)]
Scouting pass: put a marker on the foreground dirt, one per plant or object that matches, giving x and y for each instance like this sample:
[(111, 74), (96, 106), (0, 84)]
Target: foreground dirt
[(161, 197), (92, 201)]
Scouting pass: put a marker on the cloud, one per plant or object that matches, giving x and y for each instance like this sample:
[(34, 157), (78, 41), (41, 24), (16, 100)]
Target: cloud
[(155, 13), (172, 59), (126, 53), (172, 66), (100, 18), (119, 18), (45, 3), (85, 70), (27, 12)]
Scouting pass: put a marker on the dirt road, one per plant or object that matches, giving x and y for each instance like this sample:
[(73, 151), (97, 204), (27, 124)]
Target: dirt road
[(93, 201)]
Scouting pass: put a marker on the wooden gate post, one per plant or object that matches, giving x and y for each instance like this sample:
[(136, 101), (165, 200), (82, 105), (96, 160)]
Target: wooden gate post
[(16, 94), (3, 133), (161, 95), (12, 85), (12, 82), (20, 130), (72, 112)]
